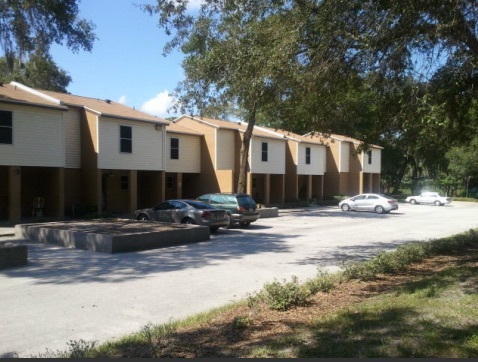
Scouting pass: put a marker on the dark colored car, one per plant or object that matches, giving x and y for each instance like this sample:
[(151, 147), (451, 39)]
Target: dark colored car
[(241, 208), (186, 212)]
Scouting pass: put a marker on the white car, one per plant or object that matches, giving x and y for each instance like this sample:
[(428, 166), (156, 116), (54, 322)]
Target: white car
[(428, 198), (381, 204)]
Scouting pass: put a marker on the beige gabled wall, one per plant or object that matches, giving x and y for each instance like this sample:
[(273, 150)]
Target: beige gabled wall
[(147, 143), (189, 160), (37, 137), (275, 163)]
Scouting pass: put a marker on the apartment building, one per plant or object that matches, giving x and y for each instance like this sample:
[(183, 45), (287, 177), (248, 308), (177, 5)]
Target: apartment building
[(71, 151), (349, 171), (221, 158), (305, 165)]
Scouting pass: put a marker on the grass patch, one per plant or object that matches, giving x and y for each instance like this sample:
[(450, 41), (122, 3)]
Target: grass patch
[(428, 312)]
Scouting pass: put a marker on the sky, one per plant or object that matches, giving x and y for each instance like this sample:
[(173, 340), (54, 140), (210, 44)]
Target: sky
[(126, 63)]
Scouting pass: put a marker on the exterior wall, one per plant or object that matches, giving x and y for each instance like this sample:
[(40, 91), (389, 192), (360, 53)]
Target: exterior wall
[(73, 190), (150, 188), (376, 165), (291, 177), (276, 156), (318, 160), (147, 146), (37, 138), (189, 153), (344, 156), (225, 154), (89, 161), (72, 120), (4, 187)]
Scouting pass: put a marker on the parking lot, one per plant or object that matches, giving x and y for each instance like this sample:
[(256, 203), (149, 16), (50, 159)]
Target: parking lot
[(67, 294)]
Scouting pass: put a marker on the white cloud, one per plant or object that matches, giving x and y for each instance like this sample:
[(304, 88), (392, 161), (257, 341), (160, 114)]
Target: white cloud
[(122, 100), (158, 105)]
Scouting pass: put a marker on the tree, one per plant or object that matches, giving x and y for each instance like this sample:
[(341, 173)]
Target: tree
[(31, 26), (372, 68), (38, 72), (232, 60)]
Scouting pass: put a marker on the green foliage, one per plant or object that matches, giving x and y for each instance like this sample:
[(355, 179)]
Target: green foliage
[(323, 282), (241, 322), (76, 349), (285, 295), (395, 261)]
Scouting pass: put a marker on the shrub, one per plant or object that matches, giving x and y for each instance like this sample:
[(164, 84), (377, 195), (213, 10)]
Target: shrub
[(241, 322), (323, 282), (283, 296)]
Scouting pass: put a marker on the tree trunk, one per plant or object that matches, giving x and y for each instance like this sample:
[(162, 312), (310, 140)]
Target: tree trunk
[(244, 156)]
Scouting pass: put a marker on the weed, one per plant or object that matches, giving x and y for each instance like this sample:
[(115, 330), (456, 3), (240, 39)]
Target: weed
[(241, 322)]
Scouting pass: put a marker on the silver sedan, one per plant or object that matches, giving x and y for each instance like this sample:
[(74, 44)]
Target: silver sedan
[(183, 211), (370, 202)]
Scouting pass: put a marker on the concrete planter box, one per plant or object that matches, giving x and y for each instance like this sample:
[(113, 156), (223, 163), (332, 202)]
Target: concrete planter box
[(13, 255), (268, 212), (113, 235)]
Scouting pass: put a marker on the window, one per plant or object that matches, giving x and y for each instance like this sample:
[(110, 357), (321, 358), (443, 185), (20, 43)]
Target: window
[(169, 182), (126, 139), (369, 154), (307, 155), (124, 180), (174, 148), (264, 152), (6, 127)]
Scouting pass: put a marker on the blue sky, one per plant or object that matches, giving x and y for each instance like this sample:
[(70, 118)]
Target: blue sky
[(126, 64)]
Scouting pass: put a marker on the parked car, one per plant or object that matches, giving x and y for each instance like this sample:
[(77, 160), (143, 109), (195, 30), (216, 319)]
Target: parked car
[(369, 202), (241, 208), (429, 198), (185, 212)]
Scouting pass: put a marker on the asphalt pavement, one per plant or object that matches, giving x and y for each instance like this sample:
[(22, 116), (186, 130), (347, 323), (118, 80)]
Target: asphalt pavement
[(68, 294)]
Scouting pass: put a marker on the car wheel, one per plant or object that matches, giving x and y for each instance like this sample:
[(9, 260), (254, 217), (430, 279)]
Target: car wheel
[(244, 224), (413, 202), (379, 209), (228, 226), (345, 207), (188, 221), (213, 229), (437, 203), (143, 217)]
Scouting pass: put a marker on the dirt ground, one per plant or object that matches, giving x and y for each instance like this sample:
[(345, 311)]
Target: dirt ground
[(219, 339)]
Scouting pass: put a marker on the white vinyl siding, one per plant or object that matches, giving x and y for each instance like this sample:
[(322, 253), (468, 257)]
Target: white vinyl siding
[(72, 121), (189, 160), (225, 149), (317, 160), (37, 138), (344, 155), (147, 144), (275, 156), (375, 166)]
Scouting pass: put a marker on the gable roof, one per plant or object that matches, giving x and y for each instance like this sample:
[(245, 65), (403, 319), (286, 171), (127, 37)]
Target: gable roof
[(177, 128), (336, 137), (232, 125), (14, 93), (294, 136), (105, 107), (63, 100)]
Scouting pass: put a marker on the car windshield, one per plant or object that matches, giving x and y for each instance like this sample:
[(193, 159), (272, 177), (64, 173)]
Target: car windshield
[(199, 205)]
